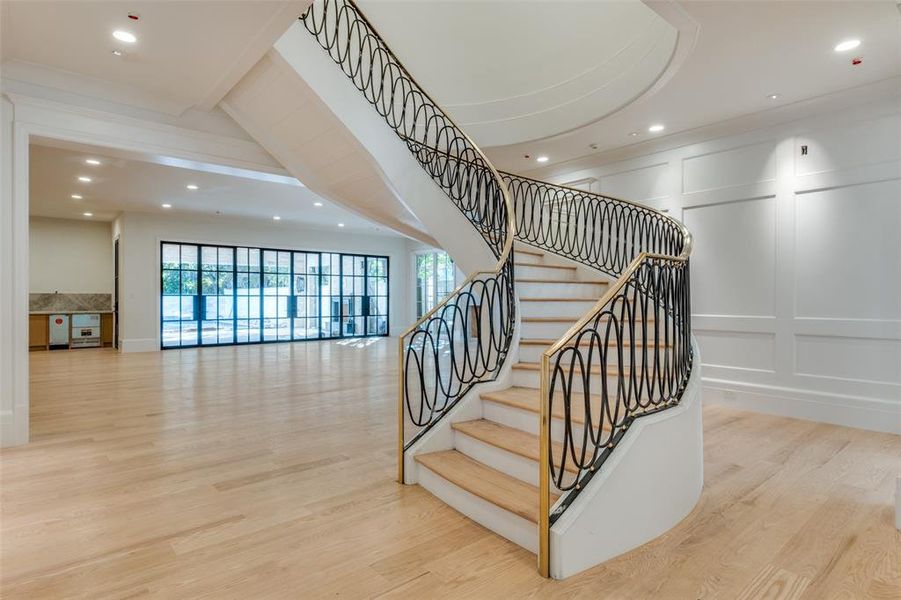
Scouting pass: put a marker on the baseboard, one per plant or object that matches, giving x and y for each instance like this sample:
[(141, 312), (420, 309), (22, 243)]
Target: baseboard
[(848, 411), (140, 345)]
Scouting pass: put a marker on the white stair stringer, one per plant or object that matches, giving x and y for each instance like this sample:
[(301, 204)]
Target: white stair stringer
[(300, 106), (651, 481)]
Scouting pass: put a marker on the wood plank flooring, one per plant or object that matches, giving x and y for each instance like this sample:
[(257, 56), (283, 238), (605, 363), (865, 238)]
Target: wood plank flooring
[(267, 472)]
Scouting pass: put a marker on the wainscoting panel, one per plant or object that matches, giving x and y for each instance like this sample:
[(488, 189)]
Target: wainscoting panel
[(645, 184), (746, 165), (733, 266), (796, 269)]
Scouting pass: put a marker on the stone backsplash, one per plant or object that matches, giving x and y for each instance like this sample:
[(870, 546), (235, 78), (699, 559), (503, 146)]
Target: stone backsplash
[(69, 302)]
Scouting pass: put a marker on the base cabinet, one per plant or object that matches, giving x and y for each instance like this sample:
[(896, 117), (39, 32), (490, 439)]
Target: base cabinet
[(38, 332)]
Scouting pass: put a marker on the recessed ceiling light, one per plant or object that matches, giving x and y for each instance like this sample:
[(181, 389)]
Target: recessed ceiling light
[(633, 134), (166, 205), (84, 179), (118, 52), (76, 196), (88, 214), (276, 218), (541, 159), (317, 204), (92, 161), (774, 96), (125, 36), (340, 224), (656, 128), (191, 186), (847, 45)]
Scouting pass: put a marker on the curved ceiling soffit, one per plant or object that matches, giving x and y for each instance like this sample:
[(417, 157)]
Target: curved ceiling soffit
[(577, 101), (685, 34)]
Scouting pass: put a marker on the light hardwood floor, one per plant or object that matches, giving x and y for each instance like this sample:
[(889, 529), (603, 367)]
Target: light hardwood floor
[(266, 472)]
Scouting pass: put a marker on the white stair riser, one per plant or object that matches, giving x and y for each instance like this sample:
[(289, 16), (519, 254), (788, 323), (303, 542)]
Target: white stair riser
[(514, 465), (524, 420), (544, 330), (573, 310), (558, 289), (526, 257), (504, 523), (530, 379), (532, 353), (544, 272)]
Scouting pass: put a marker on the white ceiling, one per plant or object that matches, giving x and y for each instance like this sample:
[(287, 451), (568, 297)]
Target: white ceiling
[(121, 184), (516, 71), (744, 51), (188, 53)]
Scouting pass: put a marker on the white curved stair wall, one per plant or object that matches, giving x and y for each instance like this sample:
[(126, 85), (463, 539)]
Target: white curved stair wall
[(410, 187), (281, 112), (651, 481)]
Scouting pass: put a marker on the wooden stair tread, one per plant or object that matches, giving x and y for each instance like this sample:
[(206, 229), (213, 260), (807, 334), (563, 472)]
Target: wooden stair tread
[(527, 251), (496, 487), (529, 399), (512, 440), (543, 266), (559, 299), (595, 369), (574, 281), (574, 319)]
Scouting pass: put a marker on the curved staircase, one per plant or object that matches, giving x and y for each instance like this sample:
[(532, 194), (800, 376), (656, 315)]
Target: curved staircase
[(553, 396), (492, 472)]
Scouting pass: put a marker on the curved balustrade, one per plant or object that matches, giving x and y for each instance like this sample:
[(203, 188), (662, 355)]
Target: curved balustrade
[(630, 354), (465, 339)]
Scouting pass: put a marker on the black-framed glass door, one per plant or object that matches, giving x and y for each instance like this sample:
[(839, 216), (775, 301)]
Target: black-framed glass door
[(219, 295)]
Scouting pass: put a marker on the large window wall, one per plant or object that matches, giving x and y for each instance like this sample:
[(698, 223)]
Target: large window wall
[(214, 295)]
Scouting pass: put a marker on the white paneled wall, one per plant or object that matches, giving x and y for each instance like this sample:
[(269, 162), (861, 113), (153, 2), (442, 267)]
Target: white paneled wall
[(796, 270)]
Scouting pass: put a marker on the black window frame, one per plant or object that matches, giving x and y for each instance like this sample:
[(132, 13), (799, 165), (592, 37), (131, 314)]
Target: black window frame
[(292, 308)]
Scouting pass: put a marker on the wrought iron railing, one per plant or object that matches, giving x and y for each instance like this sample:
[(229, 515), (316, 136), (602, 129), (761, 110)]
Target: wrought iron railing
[(465, 339), (629, 355)]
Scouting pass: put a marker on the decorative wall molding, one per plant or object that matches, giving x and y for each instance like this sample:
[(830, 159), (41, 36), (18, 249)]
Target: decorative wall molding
[(796, 273)]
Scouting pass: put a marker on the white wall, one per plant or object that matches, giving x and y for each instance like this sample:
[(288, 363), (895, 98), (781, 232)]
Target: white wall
[(141, 234), (796, 269), (69, 256)]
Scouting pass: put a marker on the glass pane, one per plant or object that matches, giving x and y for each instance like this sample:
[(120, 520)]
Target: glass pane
[(171, 308), (226, 332), (171, 281), (270, 307), (188, 283), (226, 283), (284, 262), (210, 308), (187, 307), (171, 334), (171, 258), (208, 283), (226, 259), (226, 307), (189, 333), (243, 311), (208, 257), (241, 254), (188, 257), (270, 261), (209, 333)]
